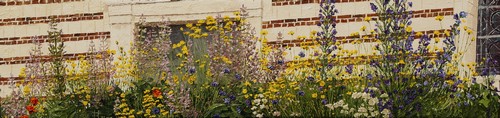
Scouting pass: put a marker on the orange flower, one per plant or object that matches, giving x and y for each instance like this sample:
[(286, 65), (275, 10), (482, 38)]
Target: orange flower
[(34, 101), (30, 108), (156, 93), (24, 116)]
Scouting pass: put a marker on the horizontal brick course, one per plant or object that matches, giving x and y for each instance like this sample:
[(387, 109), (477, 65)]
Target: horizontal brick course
[(350, 18), (65, 37), (298, 2), (46, 19), (46, 58), (349, 39), (30, 2)]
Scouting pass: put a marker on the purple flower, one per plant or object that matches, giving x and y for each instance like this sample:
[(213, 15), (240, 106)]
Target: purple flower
[(281, 62), (216, 116), (410, 4), (227, 100), (310, 78), (302, 54), (349, 68), (192, 70), (426, 83), (155, 110), (222, 93), (226, 70), (214, 84), (237, 76), (369, 76), (463, 14), (275, 101), (301, 93), (324, 101), (374, 7), (386, 2)]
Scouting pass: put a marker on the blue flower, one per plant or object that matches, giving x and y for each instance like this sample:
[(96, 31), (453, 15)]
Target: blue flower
[(374, 7)]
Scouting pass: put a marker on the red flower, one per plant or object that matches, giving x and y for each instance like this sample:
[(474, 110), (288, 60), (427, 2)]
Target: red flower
[(34, 101), (156, 93), (24, 116), (30, 108)]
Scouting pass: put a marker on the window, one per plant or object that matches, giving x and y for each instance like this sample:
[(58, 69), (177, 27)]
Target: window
[(488, 43)]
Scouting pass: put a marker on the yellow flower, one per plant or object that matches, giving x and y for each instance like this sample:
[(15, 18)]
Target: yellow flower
[(85, 102), (469, 31), (323, 96), (244, 91), (368, 19), (419, 34), (363, 28), (189, 25), (263, 32), (409, 29), (401, 62), (439, 18), (26, 90), (247, 83), (437, 40), (314, 95), (291, 33), (321, 83)]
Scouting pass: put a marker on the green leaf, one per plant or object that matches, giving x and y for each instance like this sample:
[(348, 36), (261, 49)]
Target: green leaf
[(485, 102)]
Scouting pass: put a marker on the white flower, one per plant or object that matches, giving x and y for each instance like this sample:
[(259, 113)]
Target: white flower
[(356, 95), (262, 106), (373, 101), (254, 113), (276, 113), (371, 108), (356, 115), (261, 96), (330, 106), (345, 107), (362, 110), (386, 112), (253, 108), (264, 100), (374, 113), (366, 96), (259, 115), (256, 101)]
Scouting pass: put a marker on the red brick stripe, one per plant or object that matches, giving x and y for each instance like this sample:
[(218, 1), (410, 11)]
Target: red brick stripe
[(30, 2), (46, 19), (46, 58), (298, 2), (309, 42), (350, 18), (65, 37)]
